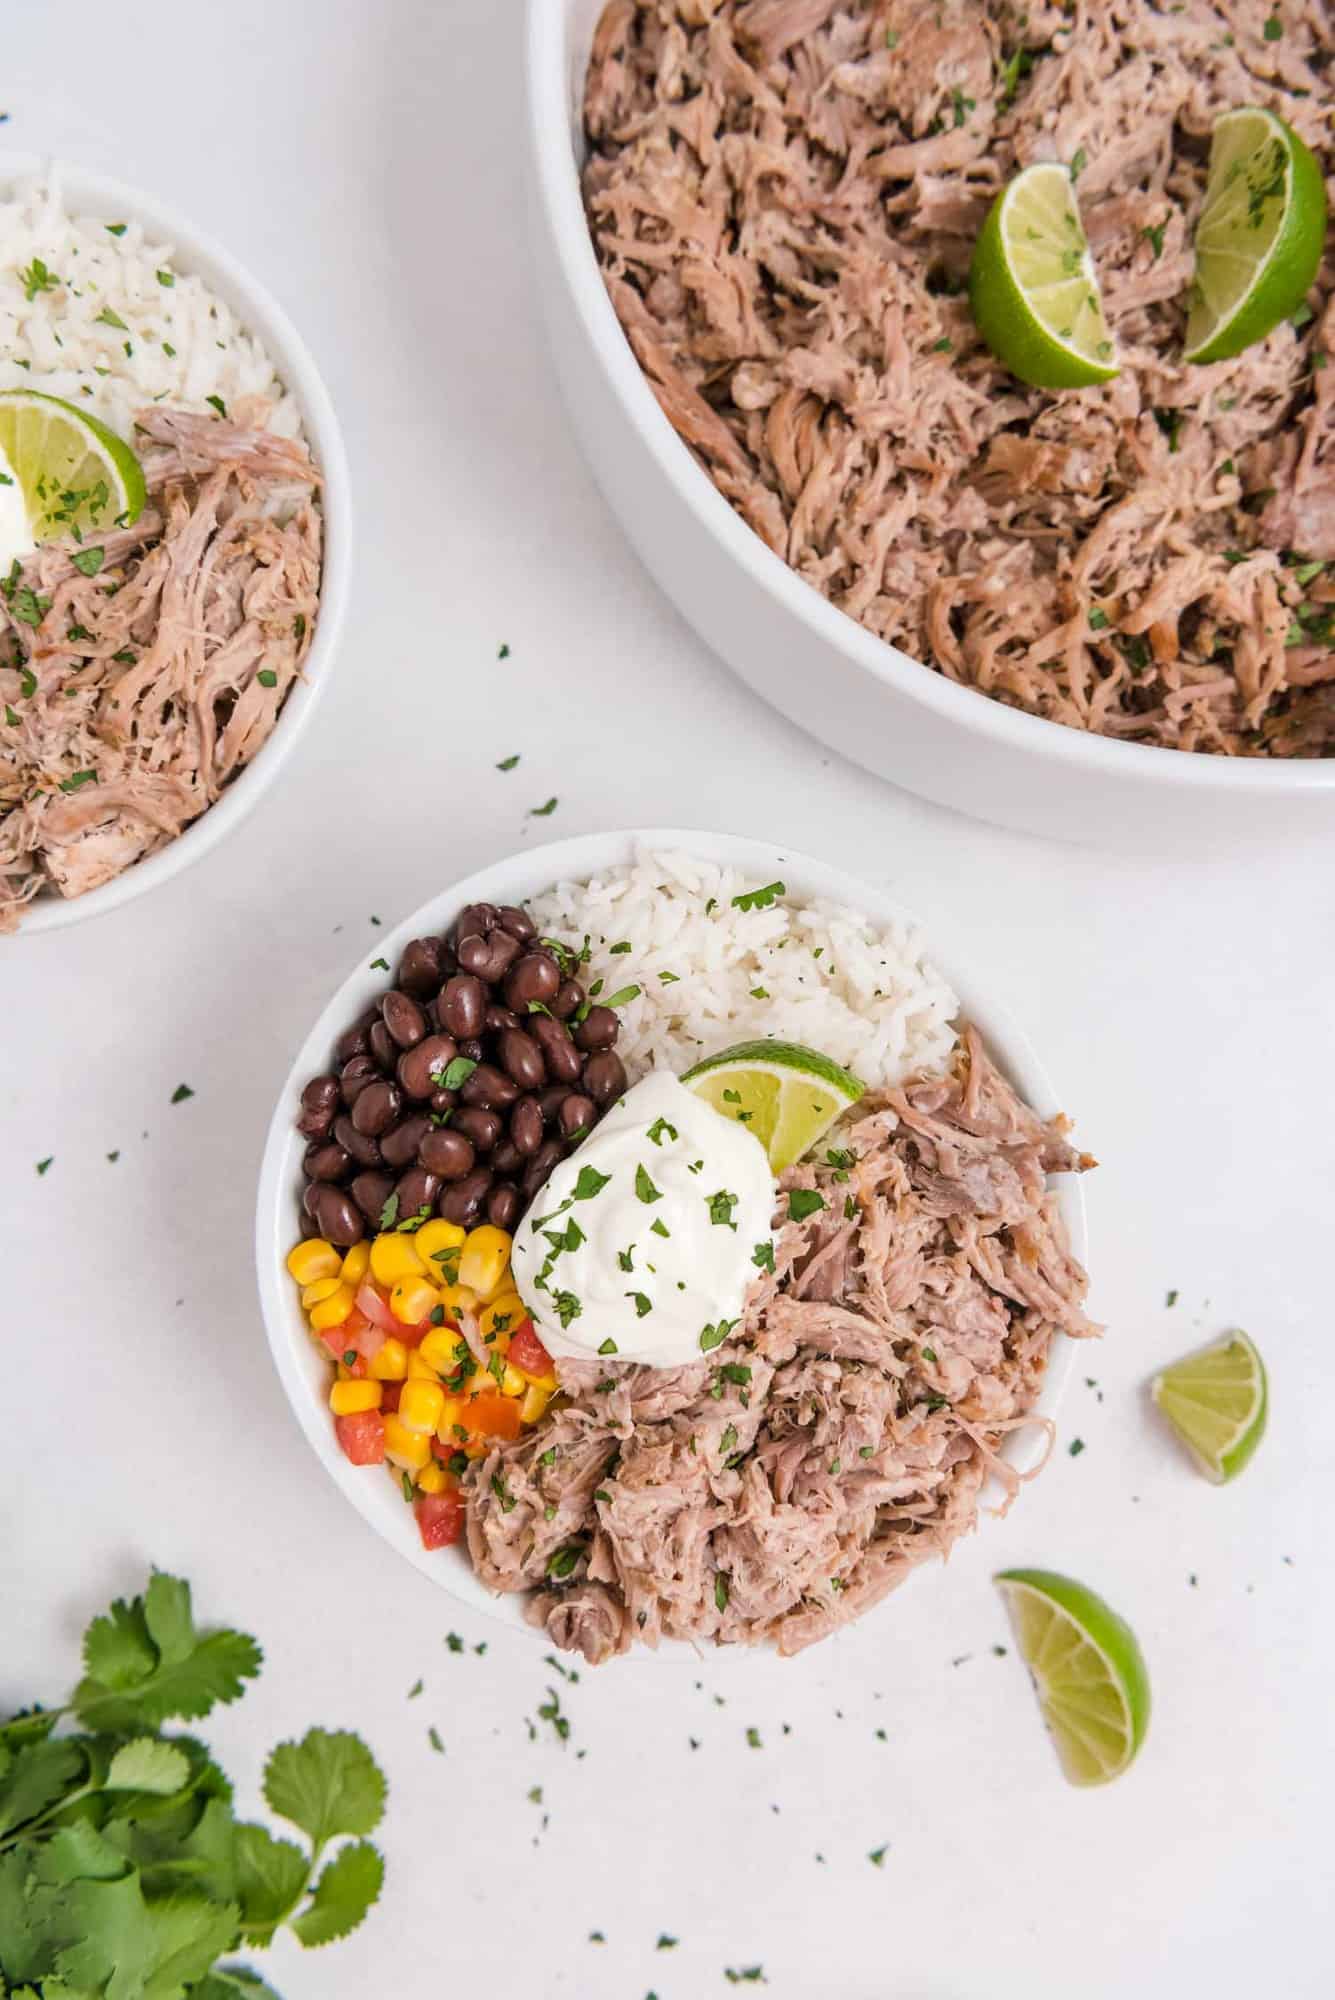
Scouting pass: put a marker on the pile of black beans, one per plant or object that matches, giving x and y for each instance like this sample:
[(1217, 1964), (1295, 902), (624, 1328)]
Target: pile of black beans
[(392, 1140)]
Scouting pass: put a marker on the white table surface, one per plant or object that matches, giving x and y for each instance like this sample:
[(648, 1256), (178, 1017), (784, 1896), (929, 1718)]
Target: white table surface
[(365, 160)]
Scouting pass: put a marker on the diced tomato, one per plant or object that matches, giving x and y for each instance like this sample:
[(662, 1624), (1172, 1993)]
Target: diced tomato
[(445, 1448), (440, 1517), (493, 1415), (413, 1336), (376, 1307), (389, 1395), (362, 1437), (527, 1351)]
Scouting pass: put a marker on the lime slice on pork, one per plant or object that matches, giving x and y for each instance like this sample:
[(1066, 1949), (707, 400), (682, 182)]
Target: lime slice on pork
[(77, 477), (786, 1094), (1088, 1671), (1260, 234), (1216, 1401), (1033, 287)]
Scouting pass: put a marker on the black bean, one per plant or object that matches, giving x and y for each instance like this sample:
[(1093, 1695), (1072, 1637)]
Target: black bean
[(483, 1128), (564, 1061), (448, 1153), (462, 1201), (311, 1197), (398, 1146), (540, 1166), (472, 1048), (598, 1030), (497, 1018), (551, 1100), (356, 1073), (321, 1094), (404, 1019), (371, 1191), (505, 1157), (314, 1124), (490, 1088), (488, 957), (532, 977), (569, 998), (417, 1190), (352, 1042), (526, 1126), (325, 1161), (476, 919), (383, 1046), (462, 1005), (577, 1116), (377, 1108), (436, 1053), (503, 1206), (518, 922), (335, 1215), (363, 1149), (522, 1059), (422, 967), (443, 1101), (605, 1078)]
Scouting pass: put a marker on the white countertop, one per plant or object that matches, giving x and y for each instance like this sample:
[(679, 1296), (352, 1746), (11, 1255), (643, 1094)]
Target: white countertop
[(365, 161)]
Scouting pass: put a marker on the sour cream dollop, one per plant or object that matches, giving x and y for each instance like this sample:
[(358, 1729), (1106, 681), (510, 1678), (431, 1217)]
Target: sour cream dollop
[(645, 1241)]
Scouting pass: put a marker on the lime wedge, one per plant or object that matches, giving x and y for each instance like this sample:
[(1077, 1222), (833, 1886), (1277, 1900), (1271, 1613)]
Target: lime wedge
[(1260, 234), (1088, 1671), (1033, 287), (1216, 1401), (77, 477), (785, 1094)]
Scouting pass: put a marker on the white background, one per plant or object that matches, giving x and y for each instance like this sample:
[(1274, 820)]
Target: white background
[(365, 160)]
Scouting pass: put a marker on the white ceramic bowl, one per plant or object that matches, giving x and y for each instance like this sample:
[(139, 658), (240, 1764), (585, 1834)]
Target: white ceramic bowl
[(90, 194), (821, 668), (303, 1368)]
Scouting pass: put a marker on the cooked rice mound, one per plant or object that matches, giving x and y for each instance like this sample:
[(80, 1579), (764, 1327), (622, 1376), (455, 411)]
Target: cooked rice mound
[(784, 196)]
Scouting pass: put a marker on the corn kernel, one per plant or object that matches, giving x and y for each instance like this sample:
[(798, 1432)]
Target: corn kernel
[(391, 1363), (323, 1288), (410, 1449), (502, 1316), (333, 1310), (412, 1299), (419, 1370), (475, 1448), (547, 1383), (348, 1399), (420, 1405), (484, 1260), (457, 1299), (440, 1350), (432, 1479), (393, 1257), (437, 1244), (451, 1414), (534, 1403), (356, 1264), (313, 1259), (512, 1382)]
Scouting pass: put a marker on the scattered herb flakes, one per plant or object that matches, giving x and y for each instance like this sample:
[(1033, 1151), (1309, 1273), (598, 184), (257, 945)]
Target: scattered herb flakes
[(877, 1856), (609, 1346), (999, 1652), (714, 1336), (759, 899), (597, 1937), (42, 1165), (763, 1257), (217, 403), (622, 997), (503, 651), (1273, 29), (433, 1738), (88, 561), (1079, 161), (749, 1975), (379, 965), (589, 1183), (666, 1943), (753, 1739), (415, 1690), (113, 1157), (508, 763), (803, 1202), (642, 1303), (644, 1187), (550, 1711), (1170, 1298), (1075, 1447), (267, 678), (454, 1642), (543, 812), (181, 1092)]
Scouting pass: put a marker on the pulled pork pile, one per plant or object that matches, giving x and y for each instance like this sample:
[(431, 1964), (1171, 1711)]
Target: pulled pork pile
[(133, 694), (842, 1433), (784, 197)]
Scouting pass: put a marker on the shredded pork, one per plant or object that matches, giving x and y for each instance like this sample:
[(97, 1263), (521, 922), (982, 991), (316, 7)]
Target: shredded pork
[(131, 696), (784, 196), (842, 1434)]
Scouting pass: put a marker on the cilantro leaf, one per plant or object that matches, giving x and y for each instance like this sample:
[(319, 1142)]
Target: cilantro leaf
[(160, 1665), (343, 1895), (225, 1982), (36, 1778), (146, 1764), (271, 1878), (803, 1202), (327, 1783), (129, 1945)]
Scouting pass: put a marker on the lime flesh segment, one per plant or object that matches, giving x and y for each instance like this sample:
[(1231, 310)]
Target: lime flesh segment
[(1088, 1671), (77, 477), (1216, 1400), (784, 1094), (1033, 286), (1260, 234)]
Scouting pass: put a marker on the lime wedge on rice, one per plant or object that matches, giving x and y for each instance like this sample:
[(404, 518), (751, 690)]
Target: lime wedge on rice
[(77, 477), (1216, 1401), (1088, 1671), (786, 1094), (1033, 287), (1260, 234)]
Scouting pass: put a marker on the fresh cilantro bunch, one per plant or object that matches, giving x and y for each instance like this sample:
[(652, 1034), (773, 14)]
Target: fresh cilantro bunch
[(124, 1874)]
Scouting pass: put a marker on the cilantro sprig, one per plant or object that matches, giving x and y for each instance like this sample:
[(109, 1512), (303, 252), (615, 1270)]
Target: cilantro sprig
[(123, 1868)]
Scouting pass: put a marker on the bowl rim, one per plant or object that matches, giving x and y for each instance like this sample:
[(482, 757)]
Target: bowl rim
[(86, 192), (511, 879), (559, 199)]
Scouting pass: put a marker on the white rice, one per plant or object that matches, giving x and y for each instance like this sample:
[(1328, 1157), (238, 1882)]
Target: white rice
[(711, 974), (59, 340)]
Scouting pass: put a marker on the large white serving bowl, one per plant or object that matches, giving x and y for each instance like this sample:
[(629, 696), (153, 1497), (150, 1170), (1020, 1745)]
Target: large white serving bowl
[(89, 194), (822, 669), (303, 1367)]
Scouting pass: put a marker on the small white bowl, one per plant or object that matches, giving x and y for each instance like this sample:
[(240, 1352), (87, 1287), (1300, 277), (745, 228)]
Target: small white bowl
[(91, 194), (304, 1370), (821, 668)]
